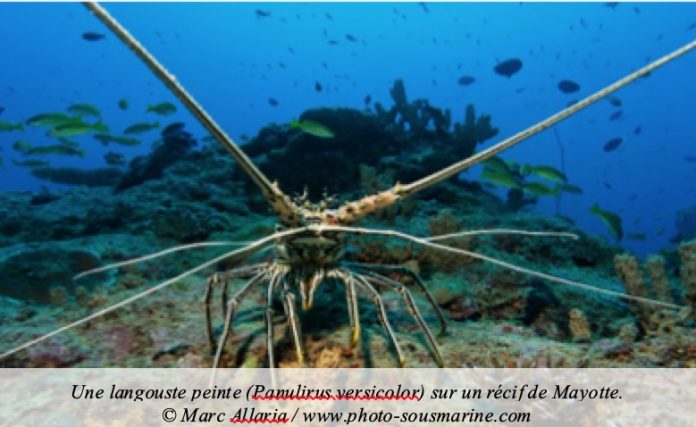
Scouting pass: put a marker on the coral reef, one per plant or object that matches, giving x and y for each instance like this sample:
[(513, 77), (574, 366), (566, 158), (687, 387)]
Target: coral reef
[(663, 322), (406, 142), (334, 161), (687, 251), (474, 130), (417, 119), (516, 199), (497, 317), (41, 273), (98, 177), (173, 147), (685, 223)]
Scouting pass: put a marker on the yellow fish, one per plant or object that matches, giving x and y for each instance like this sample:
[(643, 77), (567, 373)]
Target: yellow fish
[(504, 179), (611, 220), (313, 128), (550, 173), (537, 188)]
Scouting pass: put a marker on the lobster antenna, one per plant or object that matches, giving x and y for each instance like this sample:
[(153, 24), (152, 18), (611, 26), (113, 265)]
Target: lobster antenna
[(280, 203), (355, 210), (427, 242)]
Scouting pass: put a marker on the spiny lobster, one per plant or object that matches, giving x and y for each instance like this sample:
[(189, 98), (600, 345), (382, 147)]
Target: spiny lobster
[(310, 239)]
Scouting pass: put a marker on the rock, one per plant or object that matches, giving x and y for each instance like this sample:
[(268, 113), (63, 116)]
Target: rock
[(628, 333), (444, 290), (172, 350), (181, 223), (58, 296), (30, 273), (58, 352), (191, 360), (130, 281), (173, 148), (119, 342), (464, 309), (14, 310)]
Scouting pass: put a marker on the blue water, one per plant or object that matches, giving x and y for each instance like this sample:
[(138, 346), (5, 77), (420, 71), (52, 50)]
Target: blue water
[(229, 58)]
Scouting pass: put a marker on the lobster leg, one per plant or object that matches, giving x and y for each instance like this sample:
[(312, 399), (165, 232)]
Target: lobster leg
[(381, 314), (291, 313), (224, 297), (352, 304), (212, 281), (224, 277), (408, 299), (275, 278), (231, 310), (352, 297), (235, 255), (417, 280)]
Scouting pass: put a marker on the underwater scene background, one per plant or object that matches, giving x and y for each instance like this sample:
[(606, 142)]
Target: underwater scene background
[(100, 163)]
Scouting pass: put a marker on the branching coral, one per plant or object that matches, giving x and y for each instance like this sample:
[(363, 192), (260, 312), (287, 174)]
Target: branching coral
[(579, 326), (418, 118), (472, 131), (628, 269), (660, 322), (687, 252), (655, 265)]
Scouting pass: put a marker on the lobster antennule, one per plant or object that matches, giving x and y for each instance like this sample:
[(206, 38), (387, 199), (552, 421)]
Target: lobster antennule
[(281, 204), (352, 211)]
